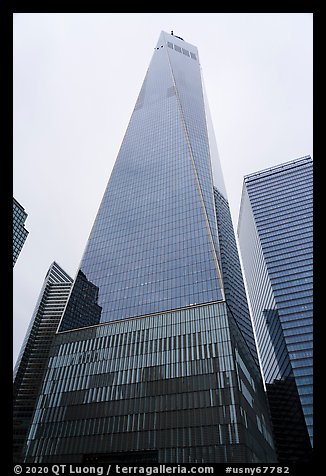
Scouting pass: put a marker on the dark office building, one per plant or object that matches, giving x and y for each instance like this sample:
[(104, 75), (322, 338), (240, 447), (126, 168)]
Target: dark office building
[(167, 371), (19, 231), (275, 234), (31, 362)]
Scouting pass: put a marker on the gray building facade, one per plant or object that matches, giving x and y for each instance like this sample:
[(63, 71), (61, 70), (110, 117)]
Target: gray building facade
[(275, 232), (31, 363), (154, 363)]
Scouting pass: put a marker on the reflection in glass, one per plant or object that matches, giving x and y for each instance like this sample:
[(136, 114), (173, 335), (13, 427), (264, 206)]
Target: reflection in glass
[(82, 308)]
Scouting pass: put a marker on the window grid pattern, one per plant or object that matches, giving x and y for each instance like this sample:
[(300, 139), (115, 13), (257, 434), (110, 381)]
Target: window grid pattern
[(235, 294), (178, 383), (31, 363), (163, 367), (195, 116), (280, 201), (19, 231), (153, 244)]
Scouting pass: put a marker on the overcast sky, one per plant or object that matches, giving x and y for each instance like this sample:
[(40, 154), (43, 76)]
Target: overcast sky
[(76, 78)]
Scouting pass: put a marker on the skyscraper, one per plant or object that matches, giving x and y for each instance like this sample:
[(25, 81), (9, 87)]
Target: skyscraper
[(155, 360), (19, 231), (275, 235), (31, 362)]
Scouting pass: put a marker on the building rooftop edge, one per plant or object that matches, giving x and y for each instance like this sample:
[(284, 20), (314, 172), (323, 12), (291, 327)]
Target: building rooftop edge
[(276, 168), (56, 265)]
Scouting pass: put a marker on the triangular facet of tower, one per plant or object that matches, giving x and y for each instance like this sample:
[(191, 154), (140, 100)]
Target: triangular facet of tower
[(153, 244)]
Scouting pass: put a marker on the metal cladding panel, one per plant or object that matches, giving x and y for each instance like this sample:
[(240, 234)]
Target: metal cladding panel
[(179, 387)]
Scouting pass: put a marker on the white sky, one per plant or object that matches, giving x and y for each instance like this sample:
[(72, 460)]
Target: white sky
[(76, 78)]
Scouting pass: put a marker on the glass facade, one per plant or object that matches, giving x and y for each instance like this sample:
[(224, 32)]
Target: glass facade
[(153, 244), (154, 359), (175, 385), (19, 231), (235, 294), (275, 234), (31, 362)]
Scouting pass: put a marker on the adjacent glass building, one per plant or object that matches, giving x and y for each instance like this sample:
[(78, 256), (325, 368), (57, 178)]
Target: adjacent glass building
[(31, 362), (155, 359), (275, 234), (19, 231)]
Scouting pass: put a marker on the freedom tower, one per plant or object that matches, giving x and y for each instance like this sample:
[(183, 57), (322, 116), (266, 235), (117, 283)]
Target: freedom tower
[(154, 359)]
